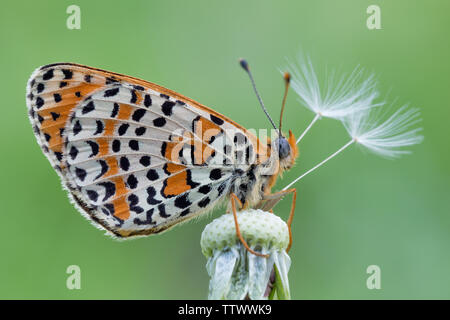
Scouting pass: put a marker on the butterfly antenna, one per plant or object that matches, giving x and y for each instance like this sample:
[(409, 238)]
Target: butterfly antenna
[(244, 65), (287, 80)]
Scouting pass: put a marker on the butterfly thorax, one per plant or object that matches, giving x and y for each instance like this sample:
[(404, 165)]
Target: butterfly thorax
[(257, 182)]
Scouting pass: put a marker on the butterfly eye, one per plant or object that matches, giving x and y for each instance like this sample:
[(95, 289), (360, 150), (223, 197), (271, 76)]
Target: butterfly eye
[(284, 148)]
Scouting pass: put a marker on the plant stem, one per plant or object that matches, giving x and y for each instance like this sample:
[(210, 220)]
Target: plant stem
[(308, 127)]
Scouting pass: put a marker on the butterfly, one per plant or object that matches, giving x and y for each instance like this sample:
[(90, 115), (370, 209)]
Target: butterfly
[(137, 158)]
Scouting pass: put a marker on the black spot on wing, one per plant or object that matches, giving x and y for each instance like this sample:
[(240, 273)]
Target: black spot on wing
[(140, 131), (48, 75), (204, 202), (185, 212), (99, 127), (57, 97), (138, 114), (162, 211), (110, 189), (123, 129), (111, 92), (67, 74), (80, 173), (39, 102), (58, 155), (134, 145), (110, 207), (147, 100), (132, 181), (94, 147), (55, 115), (110, 80), (165, 170), (40, 87), (151, 192), (92, 194), (163, 149), (104, 168), (124, 163), (73, 152), (167, 107), (159, 122), (88, 108), (116, 145), (133, 201), (205, 189), (115, 110), (133, 96), (145, 161), (152, 175), (216, 120), (189, 180), (182, 201), (215, 174)]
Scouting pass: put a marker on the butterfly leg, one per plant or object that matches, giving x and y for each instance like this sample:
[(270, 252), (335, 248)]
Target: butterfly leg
[(235, 199), (273, 199)]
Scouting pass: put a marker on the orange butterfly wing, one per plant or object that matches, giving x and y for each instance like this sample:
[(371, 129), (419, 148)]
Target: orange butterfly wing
[(137, 158)]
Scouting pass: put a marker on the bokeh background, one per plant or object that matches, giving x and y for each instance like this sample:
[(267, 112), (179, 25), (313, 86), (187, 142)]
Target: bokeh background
[(357, 211)]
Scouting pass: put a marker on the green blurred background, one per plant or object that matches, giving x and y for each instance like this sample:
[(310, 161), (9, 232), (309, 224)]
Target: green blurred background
[(357, 211)]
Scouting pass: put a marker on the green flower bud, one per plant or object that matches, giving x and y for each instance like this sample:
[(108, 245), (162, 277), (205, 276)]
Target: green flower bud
[(235, 272)]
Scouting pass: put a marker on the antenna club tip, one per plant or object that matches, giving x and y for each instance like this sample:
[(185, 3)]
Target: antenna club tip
[(287, 77), (244, 64)]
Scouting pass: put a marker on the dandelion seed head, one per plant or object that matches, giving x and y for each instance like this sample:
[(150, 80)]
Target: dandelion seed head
[(235, 272)]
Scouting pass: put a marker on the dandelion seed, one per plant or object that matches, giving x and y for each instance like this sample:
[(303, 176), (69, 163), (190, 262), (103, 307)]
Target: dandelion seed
[(385, 138), (338, 98), (388, 137)]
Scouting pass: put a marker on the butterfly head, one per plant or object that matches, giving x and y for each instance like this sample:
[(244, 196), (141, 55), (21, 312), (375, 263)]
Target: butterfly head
[(287, 151)]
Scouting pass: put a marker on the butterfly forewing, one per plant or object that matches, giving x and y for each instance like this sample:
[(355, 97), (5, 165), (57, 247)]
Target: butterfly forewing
[(136, 158)]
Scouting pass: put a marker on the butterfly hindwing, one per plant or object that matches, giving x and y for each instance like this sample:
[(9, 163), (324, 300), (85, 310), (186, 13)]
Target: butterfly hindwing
[(136, 158)]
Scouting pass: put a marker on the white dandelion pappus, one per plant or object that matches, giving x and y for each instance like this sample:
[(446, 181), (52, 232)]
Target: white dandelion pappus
[(385, 138), (339, 97)]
